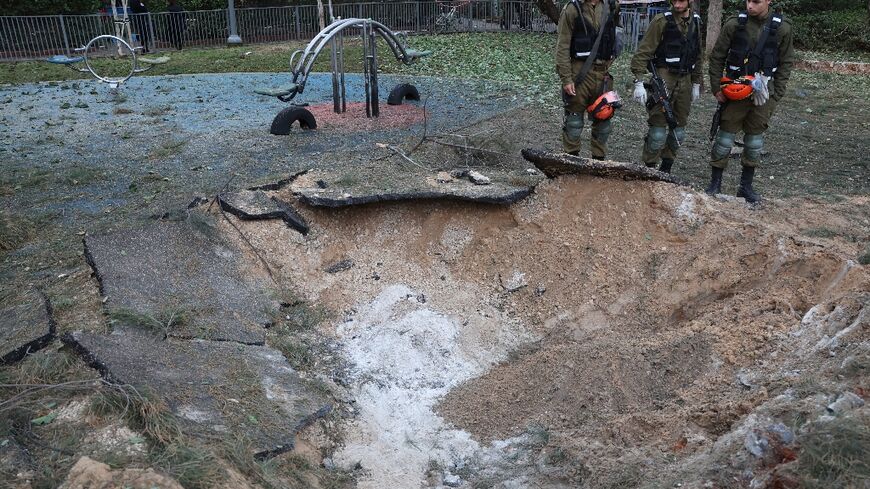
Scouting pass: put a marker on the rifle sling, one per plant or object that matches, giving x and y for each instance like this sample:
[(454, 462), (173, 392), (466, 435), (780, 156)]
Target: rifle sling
[(593, 53)]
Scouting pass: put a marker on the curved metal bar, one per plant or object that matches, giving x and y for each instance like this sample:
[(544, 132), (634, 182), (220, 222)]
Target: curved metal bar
[(324, 37), (109, 80)]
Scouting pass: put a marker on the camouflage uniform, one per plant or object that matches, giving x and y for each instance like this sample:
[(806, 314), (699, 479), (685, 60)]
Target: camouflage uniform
[(679, 87), (568, 69), (743, 115)]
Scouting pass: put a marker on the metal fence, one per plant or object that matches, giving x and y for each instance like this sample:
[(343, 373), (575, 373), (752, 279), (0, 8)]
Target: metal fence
[(35, 37)]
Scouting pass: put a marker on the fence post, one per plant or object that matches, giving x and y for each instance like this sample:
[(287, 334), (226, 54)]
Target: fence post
[(65, 37), (296, 18), (234, 31), (151, 30)]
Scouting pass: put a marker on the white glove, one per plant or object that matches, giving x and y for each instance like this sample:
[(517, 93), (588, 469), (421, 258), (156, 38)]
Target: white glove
[(639, 93), (696, 91), (760, 93)]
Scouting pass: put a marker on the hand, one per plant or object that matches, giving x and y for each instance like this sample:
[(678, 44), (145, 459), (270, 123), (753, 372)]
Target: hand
[(760, 93), (639, 92), (569, 89), (696, 91), (720, 97)]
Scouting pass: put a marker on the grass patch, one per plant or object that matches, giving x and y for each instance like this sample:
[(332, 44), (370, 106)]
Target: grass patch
[(835, 454), (161, 323), (44, 367), (27, 178), (83, 176), (192, 466), (167, 149), (298, 314), (142, 410), (157, 111), (297, 353), (16, 230)]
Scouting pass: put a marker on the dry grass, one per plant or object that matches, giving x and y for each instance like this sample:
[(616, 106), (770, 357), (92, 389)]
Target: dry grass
[(142, 410), (836, 453)]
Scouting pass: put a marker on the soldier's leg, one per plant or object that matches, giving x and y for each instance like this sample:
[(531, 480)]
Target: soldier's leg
[(600, 133), (681, 101), (655, 140), (572, 128), (754, 125), (572, 124), (588, 92)]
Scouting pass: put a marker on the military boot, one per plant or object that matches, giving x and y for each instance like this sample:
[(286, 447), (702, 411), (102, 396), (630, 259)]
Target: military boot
[(715, 182), (745, 189), (666, 165)]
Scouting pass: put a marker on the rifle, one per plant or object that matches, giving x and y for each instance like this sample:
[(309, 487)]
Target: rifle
[(717, 120), (660, 95)]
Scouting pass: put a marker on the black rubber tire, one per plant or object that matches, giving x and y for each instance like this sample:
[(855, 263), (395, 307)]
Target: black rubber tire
[(403, 91), (284, 120)]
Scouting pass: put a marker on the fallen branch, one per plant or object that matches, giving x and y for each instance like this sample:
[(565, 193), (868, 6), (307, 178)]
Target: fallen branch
[(251, 245), (401, 153)]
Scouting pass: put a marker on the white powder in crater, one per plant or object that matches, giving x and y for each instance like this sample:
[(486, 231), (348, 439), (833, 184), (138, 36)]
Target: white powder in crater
[(407, 357)]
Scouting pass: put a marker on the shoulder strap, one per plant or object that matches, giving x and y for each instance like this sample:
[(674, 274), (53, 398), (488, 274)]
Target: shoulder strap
[(769, 28)]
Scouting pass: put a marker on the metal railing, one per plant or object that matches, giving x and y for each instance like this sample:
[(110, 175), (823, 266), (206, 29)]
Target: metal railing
[(36, 37)]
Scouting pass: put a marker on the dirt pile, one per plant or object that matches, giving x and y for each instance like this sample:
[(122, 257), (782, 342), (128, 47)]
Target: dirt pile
[(630, 322)]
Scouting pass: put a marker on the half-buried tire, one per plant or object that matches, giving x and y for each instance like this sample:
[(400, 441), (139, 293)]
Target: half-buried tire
[(403, 91), (284, 120)]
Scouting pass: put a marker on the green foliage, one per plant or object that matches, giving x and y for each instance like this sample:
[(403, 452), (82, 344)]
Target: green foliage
[(49, 7), (843, 29)]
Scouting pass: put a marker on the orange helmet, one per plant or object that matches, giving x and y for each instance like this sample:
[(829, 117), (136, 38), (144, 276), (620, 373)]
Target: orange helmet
[(738, 89), (604, 105)]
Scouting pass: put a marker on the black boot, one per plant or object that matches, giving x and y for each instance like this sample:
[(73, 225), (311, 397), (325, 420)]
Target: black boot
[(666, 165), (745, 189), (715, 182)]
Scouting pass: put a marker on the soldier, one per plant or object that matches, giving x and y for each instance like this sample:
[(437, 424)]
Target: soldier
[(673, 42), (586, 46), (753, 50)]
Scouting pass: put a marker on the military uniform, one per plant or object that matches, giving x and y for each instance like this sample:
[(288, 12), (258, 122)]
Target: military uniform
[(678, 61), (743, 115), (569, 65)]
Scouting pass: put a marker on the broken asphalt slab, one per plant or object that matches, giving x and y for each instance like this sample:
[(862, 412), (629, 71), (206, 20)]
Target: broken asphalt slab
[(314, 191), (557, 164), (25, 327), (215, 388), (256, 204), (181, 279)]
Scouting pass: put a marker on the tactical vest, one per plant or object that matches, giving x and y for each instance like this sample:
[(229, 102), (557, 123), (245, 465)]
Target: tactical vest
[(584, 35), (744, 59), (677, 52)]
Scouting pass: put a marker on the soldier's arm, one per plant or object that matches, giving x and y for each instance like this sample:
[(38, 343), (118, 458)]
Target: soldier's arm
[(563, 45), (786, 61), (719, 53), (646, 48)]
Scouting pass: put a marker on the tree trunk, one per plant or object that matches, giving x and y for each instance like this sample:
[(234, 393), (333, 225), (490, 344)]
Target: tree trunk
[(714, 23), (551, 10), (320, 15)]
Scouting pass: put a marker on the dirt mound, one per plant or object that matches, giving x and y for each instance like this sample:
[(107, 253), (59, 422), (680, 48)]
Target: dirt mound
[(614, 315)]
